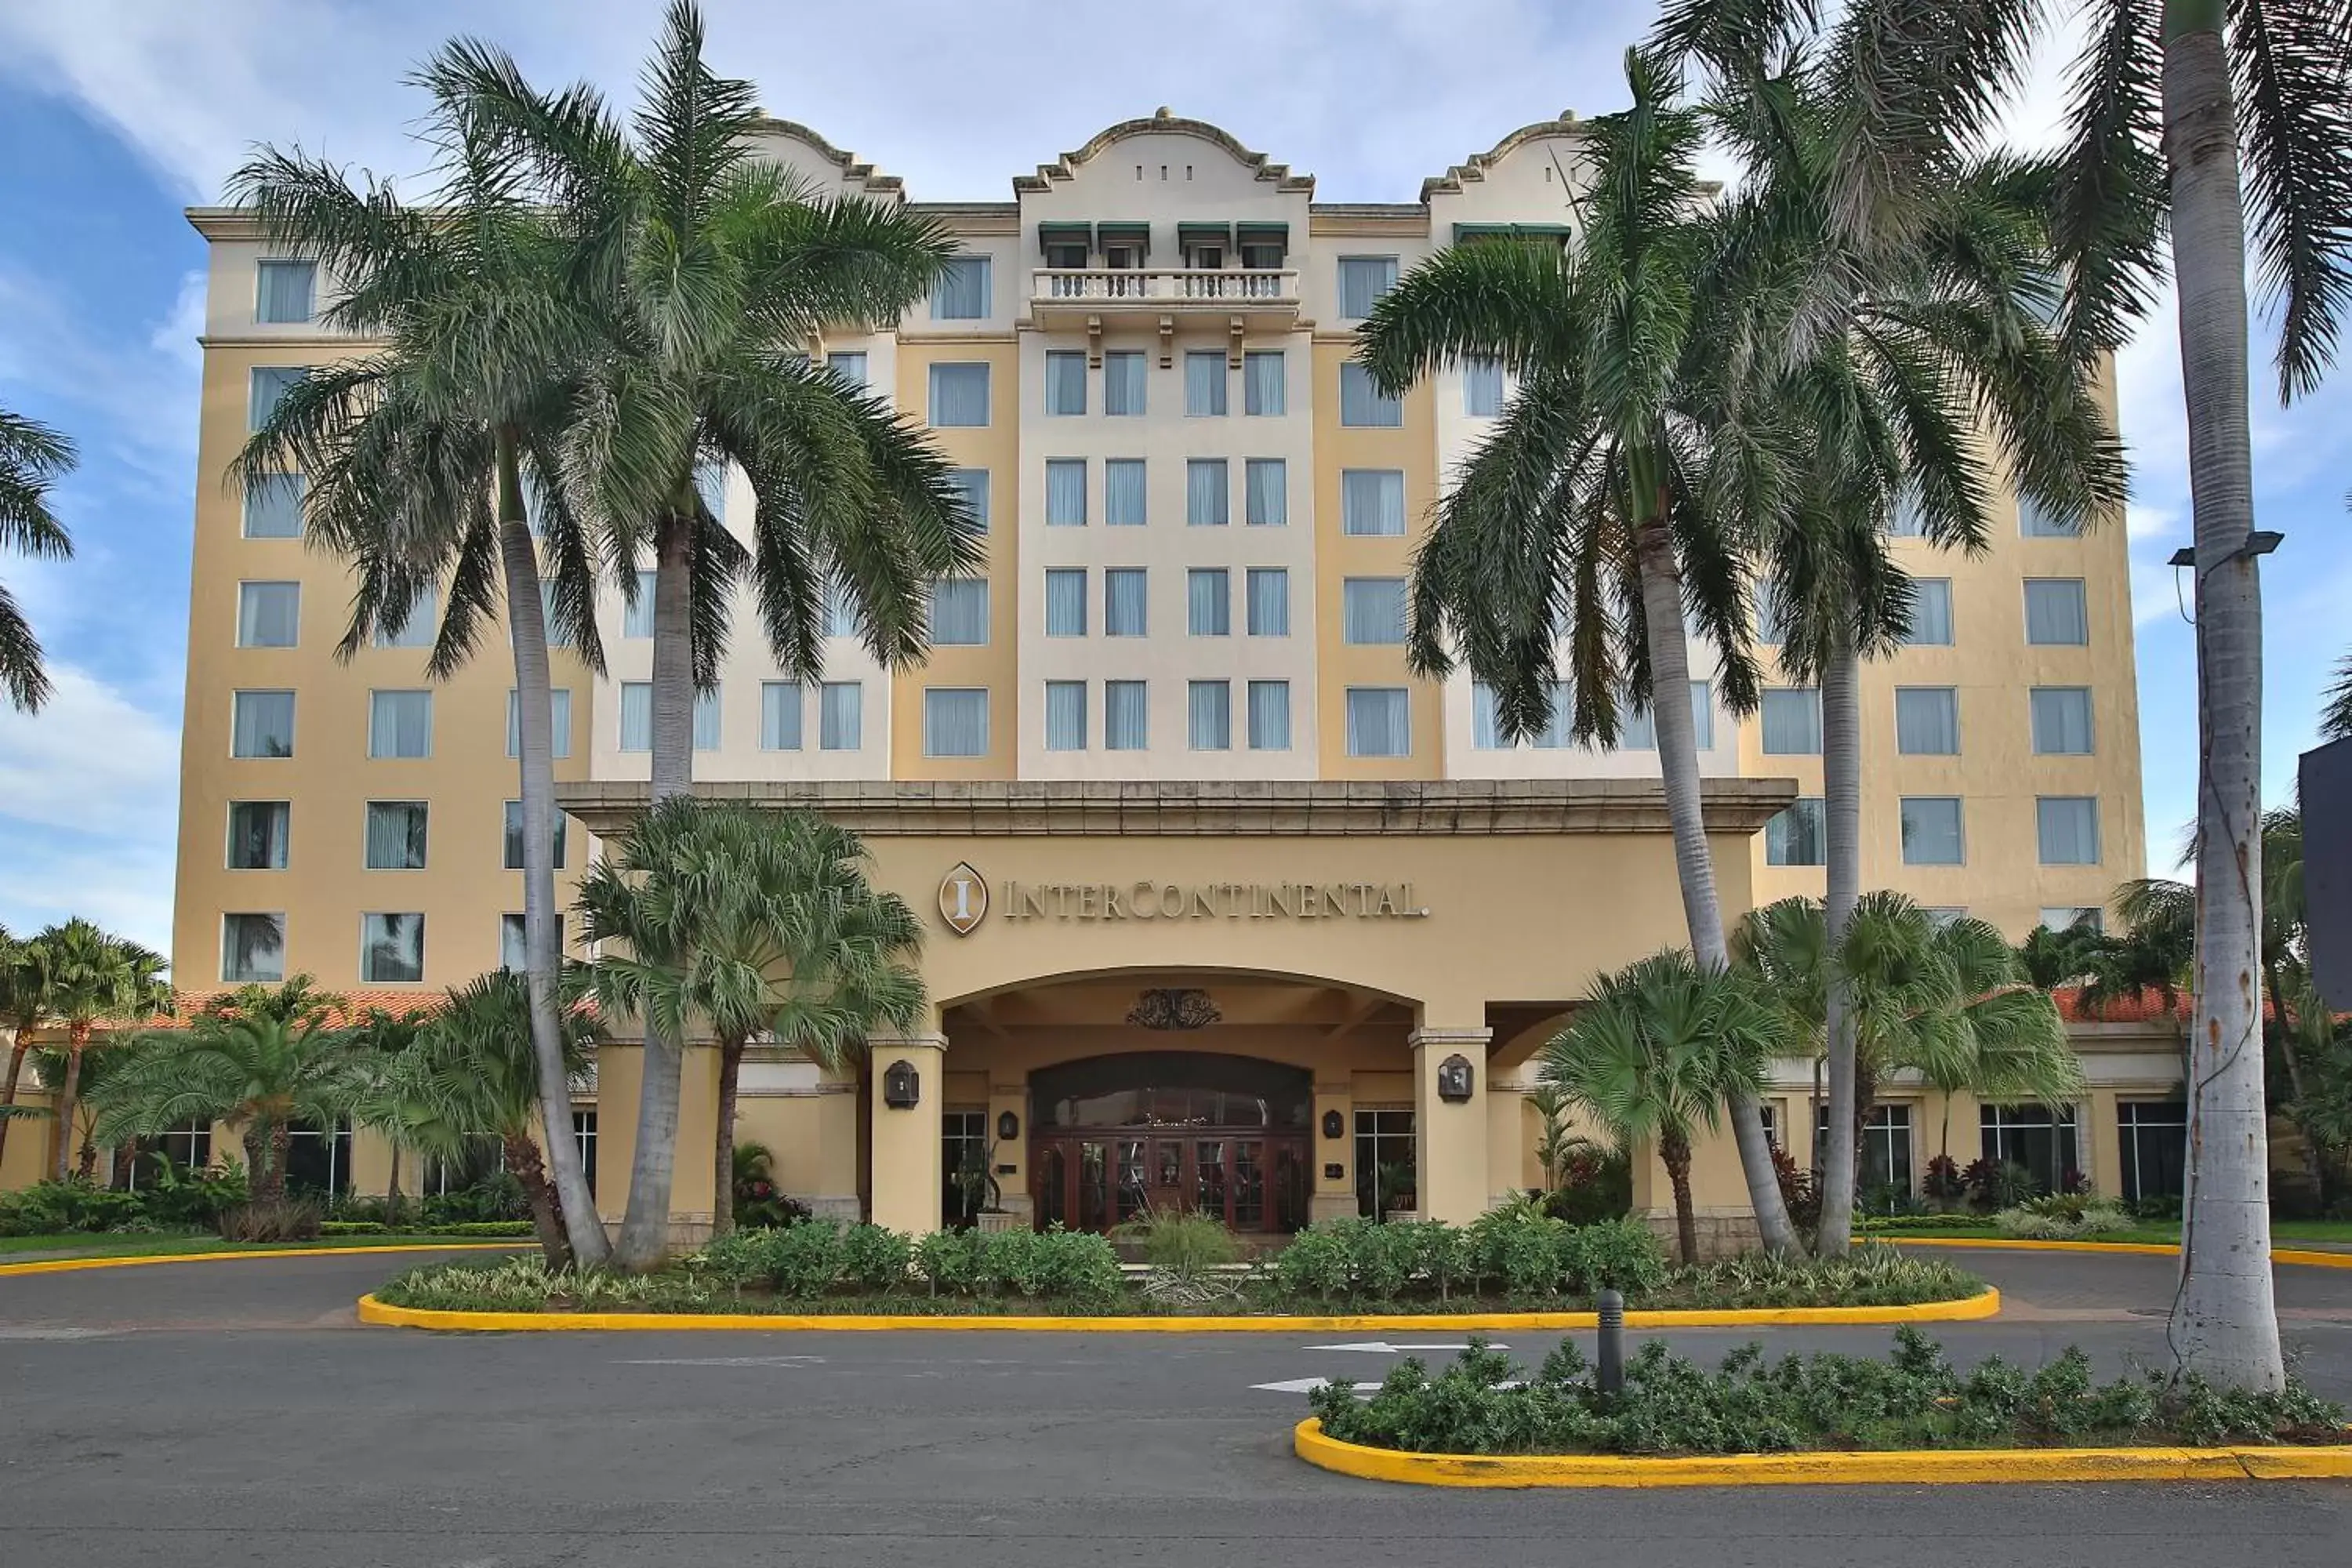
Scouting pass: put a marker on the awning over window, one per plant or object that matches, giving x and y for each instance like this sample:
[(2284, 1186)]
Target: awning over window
[(1137, 235), (1066, 234), (1204, 234), (1462, 231), (1273, 234)]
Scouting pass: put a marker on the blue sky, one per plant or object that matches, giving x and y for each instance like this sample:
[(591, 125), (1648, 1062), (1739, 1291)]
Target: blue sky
[(118, 113)]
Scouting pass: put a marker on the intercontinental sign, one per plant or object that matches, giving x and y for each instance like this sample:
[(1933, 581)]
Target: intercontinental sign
[(965, 899)]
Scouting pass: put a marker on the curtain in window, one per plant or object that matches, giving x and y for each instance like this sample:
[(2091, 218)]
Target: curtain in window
[(1209, 603), (1931, 830), (1123, 492), (1124, 603), (558, 636), (1066, 715), (1931, 611), (559, 706), (1486, 723), (779, 716), (1701, 702), (1553, 736), (270, 383), (511, 951), (1204, 383), (1206, 492), (711, 486), (1379, 721), (421, 626), (960, 612), (959, 395), (1269, 715), (257, 833), (706, 720), (1371, 501), (637, 618), (399, 723), (1636, 731), (391, 947), (1907, 520), (1065, 382), (253, 948), (840, 611), (285, 291), (1066, 602), (1209, 715), (636, 716), (1371, 610), (1794, 836), (1791, 717), (1266, 493), (955, 722), (396, 835), (850, 366), (961, 292), (273, 507), (1066, 492), (2055, 613), (973, 484), (1123, 384), (2069, 829), (268, 613), (1363, 280), (1361, 404), (262, 724), (2035, 521), (2062, 721), (841, 716), (1482, 388), (1927, 720), (1127, 716), (1264, 392), (1269, 601), (1771, 627)]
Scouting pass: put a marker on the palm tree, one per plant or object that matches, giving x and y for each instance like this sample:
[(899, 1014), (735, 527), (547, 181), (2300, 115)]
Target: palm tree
[(91, 978), (742, 921), (1620, 481), (259, 1061), (713, 273), (24, 1002), (32, 458), (1658, 1051), (2335, 718), (381, 1040)]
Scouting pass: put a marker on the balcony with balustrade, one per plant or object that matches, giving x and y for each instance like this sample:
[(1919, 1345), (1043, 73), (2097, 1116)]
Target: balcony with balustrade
[(1262, 298)]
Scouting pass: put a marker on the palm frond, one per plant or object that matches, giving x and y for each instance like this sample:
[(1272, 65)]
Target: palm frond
[(2292, 65)]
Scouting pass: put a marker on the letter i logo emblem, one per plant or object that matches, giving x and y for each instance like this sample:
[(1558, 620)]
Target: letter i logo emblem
[(963, 898)]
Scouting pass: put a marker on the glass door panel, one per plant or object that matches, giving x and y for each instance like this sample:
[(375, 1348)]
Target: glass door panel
[(1208, 1178), (1249, 1185), (1094, 1186)]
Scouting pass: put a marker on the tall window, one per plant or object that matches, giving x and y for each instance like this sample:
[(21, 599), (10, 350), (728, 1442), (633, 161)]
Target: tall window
[(396, 835), (583, 1129), (841, 716), (636, 716), (1486, 720), (955, 722), (1384, 1161), (848, 366), (1123, 602), (1771, 624), (1791, 719), (1066, 602), (1798, 834), (1363, 280), (559, 634), (1380, 721), (779, 715), (514, 948), (841, 619), (1208, 713), (1066, 715), (2062, 721), (514, 840), (1638, 732), (261, 724), (1482, 388), (400, 724), (1123, 492), (1263, 393), (1371, 610), (2153, 1138), (2068, 917), (960, 612), (973, 485), (1204, 383), (1932, 834), (637, 614), (1371, 501), (2068, 828), (1207, 493), (711, 485), (1265, 492), (963, 289), (1364, 404), (2056, 614), (559, 704), (2028, 1135), (959, 395), (1208, 600), (417, 626), (273, 507), (1931, 613), (1066, 492), (268, 384), (391, 948), (1907, 520), (1882, 1159), (1065, 382), (1124, 375), (706, 720), (1126, 715), (1269, 715), (257, 834), (284, 291), (1927, 720), (253, 948), (2037, 521), (1268, 589), (268, 615)]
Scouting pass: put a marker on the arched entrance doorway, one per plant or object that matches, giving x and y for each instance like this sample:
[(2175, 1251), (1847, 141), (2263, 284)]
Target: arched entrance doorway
[(1115, 1137)]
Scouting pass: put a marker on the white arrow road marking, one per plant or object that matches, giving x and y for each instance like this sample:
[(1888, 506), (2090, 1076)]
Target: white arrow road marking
[(728, 1361), (1382, 1347), (1363, 1390)]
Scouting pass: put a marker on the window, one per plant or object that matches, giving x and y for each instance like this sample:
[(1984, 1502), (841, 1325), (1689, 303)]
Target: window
[(959, 395), (841, 716), (284, 292), (2068, 828), (268, 384), (1207, 496), (2056, 615), (1265, 393), (711, 485), (1269, 715), (1123, 492), (1927, 720), (848, 366), (1268, 590), (2152, 1136), (1265, 492), (706, 720), (1638, 732), (1123, 602), (256, 835), (583, 1129), (185, 1146), (2035, 520), (1204, 383), (779, 715), (1702, 700), (1126, 715), (2069, 917), (318, 1160), (960, 612), (2062, 721), (1486, 720), (1066, 492), (963, 291), (396, 835), (1384, 1161), (1907, 520), (273, 507), (1208, 713), (514, 844), (1792, 722), (416, 628), (550, 617), (1883, 1159), (955, 722), (268, 615), (1942, 915), (253, 948), (1771, 621), (1380, 721), (1208, 600), (1065, 382), (559, 704), (1066, 602), (1364, 404), (2028, 1135), (391, 948), (1371, 610), (971, 484), (1363, 280), (261, 724), (637, 616), (1798, 835), (1124, 380), (1066, 715), (636, 716), (400, 724), (1371, 501), (1482, 388), (1931, 613), (514, 951), (1931, 830), (840, 612)]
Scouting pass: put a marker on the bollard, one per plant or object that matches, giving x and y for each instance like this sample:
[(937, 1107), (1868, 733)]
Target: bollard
[(1610, 1369)]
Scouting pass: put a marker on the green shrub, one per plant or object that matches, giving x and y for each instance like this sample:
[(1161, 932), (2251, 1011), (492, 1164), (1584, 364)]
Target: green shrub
[(1613, 1255), (1077, 1266), (279, 1219), (1443, 1257), (876, 1259), (949, 1261), (352, 1228), (47, 1207), (1180, 1243), (195, 1199), (496, 1196), (806, 1260), (1319, 1263), (484, 1227), (2064, 1216), (1521, 1251)]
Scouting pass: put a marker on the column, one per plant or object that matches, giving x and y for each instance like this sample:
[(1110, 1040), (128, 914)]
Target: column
[(1449, 1135), (1507, 1176), (1332, 1191), (907, 1175)]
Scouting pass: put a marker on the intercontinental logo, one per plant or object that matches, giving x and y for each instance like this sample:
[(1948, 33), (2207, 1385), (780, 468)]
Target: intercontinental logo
[(965, 900)]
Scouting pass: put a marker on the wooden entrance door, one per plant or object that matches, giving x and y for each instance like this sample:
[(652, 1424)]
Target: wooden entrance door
[(1249, 1180)]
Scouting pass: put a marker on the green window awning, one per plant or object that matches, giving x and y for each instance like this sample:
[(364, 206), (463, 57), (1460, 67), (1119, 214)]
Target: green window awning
[(1136, 233), (1462, 231), (1066, 234), (1265, 232), (1204, 234)]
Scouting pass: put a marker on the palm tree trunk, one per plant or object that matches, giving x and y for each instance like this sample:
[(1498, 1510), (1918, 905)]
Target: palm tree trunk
[(392, 1193), (541, 921), (1842, 805), (1662, 608), (546, 1214), (1675, 1150), (77, 1042), (644, 1231), (2225, 1318), (15, 1075), (722, 1173)]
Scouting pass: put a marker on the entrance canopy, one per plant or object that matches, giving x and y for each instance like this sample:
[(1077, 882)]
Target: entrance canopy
[(1171, 1089)]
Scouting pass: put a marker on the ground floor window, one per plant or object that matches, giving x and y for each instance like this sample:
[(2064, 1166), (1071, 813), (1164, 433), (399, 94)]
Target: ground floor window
[(483, 1158), (1384, 1161), (583, 1133), (188, 1147), (963, 1157), (318, 1160), (2028, 1135), (1882, 1160), (2152, 1136)]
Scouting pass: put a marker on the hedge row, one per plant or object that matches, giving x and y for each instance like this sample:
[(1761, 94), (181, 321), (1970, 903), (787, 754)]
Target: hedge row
[(824, 1258), (1513, 1251)]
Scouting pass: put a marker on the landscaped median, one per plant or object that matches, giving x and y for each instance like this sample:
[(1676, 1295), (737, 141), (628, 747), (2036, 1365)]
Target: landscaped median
[(230, 1253)]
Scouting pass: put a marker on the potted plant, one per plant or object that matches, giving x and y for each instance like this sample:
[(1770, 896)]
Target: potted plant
[(983, 1196)]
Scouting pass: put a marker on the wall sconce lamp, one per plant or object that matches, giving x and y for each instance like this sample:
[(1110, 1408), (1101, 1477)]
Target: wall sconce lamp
[(1008, 1127), (902, 1087), (1455, 1078)]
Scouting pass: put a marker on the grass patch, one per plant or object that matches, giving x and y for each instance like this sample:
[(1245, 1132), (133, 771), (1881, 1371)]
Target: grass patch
[(2167, 1232), (81, 1243)]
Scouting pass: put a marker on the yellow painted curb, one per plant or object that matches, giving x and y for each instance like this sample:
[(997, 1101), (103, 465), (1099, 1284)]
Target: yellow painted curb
[(2302, 1255), (1933, 1466), (137, 1260), (372, 1310)]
